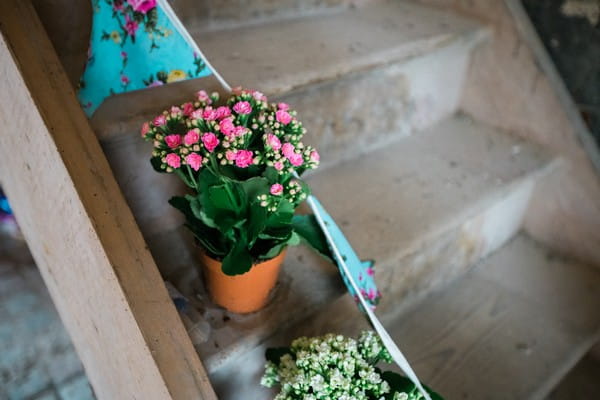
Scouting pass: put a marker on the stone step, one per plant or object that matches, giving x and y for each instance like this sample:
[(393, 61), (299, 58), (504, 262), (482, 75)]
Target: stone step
[(426, 209), (389, 69), (381, 50), (509, 329), (210, 15)]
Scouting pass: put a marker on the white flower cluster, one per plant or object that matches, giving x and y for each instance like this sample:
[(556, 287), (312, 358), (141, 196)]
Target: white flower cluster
[(331, 367)]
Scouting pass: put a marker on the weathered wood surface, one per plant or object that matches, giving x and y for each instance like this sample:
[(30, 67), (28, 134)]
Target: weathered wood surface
[(82, 234)]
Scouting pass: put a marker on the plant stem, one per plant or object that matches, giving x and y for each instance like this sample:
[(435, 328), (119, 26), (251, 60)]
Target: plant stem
[(191, 174)]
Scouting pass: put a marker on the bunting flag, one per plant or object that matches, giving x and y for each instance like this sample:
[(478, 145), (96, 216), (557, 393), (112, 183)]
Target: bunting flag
[(359, 276), (136, 44), (350, 267)]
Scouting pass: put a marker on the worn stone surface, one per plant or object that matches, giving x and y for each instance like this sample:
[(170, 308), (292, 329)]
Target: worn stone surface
[(509, 330), (422, 183), (266, 57), (439, 201), (424, 227), (424, 216), (363, 111), (354, 41), (378, 82), (37, 360), (210, 15), (509, 86), (404, 282), (481, 336), (68, 23)]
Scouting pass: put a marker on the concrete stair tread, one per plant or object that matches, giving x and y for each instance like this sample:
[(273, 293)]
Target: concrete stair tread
[(208, 15), (266, 57), (511, 328), (418, 188)]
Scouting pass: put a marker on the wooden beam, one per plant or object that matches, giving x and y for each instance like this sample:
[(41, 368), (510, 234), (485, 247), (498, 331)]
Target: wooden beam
[(81, 232)]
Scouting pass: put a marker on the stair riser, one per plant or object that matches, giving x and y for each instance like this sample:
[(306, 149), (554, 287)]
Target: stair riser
[(364, 111), (206, 15), (416, 271), (448, 255)]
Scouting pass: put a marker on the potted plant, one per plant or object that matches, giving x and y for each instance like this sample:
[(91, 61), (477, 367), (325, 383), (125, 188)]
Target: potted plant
[(336, 367), (239, 158)]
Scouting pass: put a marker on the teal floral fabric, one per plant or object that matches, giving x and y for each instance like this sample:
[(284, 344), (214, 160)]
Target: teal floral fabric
[(134, 45), (362, 272)]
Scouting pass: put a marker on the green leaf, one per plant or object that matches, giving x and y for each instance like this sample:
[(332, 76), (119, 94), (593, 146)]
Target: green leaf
[(279, 232), (207, 179), (274, 251), (307, 227), (294, 239), (271, 174), (195, 206), (210, 238), (401, 384), (238, 261), (220, 206), (208, 220), (156, 164), (254, 187), (225, 197), (227, 224), (274, 354), (256, 222), (199, 213), (183, 205), (182, 173), (283, 215)]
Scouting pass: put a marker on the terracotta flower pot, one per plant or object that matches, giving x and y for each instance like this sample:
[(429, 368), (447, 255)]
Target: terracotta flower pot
[(244, 293)]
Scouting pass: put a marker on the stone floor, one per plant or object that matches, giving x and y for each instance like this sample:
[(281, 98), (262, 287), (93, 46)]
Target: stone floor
[(37, 360)]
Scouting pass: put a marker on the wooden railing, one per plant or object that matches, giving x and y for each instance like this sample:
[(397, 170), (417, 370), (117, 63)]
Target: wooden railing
[(80, 230)]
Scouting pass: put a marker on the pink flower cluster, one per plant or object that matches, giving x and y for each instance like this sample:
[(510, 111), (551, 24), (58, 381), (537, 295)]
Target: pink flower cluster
[(245, 131)]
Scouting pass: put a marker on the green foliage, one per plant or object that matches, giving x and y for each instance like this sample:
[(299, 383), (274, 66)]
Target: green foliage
[(274, 354), (227, 219), (401, 384), (308, 229)]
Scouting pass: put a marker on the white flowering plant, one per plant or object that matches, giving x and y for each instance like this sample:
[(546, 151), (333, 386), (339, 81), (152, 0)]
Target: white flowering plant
[(240, 157), (333, 367)]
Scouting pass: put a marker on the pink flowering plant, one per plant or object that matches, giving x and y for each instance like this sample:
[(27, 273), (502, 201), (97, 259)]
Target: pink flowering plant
[(239, 158)]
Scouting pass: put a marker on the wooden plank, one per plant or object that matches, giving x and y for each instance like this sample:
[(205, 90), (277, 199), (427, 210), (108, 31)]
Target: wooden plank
[(82, 234)]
